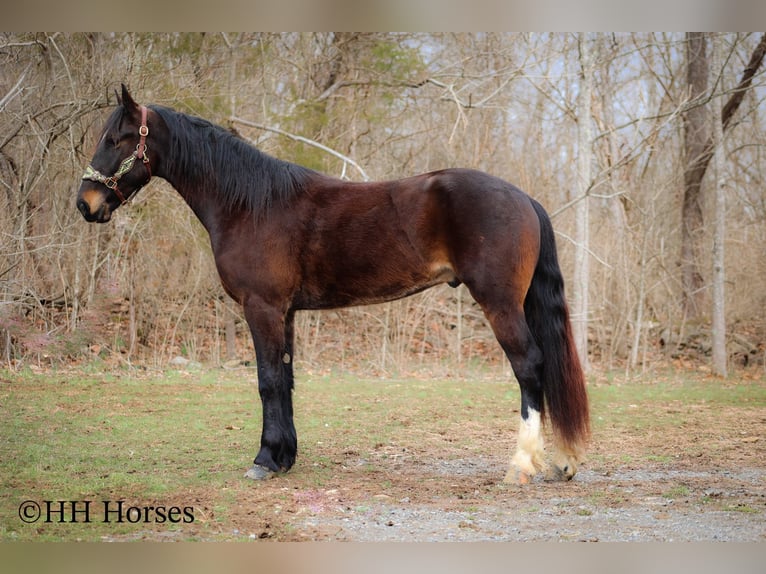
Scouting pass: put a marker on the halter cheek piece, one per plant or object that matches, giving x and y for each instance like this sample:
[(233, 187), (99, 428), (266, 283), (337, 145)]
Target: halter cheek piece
[(127, 164)]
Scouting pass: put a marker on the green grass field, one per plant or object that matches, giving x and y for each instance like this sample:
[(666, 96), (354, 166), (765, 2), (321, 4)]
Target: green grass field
[(184, 439)]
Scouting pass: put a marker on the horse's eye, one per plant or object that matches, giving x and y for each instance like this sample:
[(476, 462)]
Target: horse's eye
[(110, 140)]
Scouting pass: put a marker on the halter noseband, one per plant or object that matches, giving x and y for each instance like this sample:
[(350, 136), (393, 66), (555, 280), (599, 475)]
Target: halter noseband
[(127, 164)]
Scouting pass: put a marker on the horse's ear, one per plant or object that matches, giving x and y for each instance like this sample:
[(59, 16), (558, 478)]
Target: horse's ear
[(127, 100)]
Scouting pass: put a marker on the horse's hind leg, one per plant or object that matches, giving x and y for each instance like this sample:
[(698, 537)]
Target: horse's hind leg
[(513, 334)]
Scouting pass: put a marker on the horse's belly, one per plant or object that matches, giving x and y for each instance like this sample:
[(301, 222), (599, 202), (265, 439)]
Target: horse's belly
[(376, 286)]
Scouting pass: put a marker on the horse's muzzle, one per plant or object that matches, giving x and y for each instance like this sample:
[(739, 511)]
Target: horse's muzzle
[(101, 215)]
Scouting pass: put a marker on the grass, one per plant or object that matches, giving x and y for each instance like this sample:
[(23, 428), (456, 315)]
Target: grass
[(181, 439), (744, 508), (679, 491)]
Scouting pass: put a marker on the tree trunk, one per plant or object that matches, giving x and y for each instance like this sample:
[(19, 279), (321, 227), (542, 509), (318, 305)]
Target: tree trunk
[(696, 158), (584, 158), (230, 333), (719, 274), (698, 151)]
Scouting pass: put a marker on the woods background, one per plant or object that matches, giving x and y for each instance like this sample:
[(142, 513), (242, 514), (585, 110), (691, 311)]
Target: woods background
[(644, 148)]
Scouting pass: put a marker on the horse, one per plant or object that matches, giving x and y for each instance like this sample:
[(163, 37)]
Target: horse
[(287, 238)]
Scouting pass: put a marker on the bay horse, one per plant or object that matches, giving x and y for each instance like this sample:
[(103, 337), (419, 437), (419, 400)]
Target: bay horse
[(287, 238)]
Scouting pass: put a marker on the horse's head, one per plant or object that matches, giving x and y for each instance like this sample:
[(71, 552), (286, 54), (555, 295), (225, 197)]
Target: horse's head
[(120, 166)]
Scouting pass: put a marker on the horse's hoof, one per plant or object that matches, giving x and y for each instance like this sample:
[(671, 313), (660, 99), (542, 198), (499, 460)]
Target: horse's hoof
[(517, 477), (258, 472), (557, 473)]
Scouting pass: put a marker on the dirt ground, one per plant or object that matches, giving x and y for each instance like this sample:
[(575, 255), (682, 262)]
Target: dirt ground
[(706, 481), (686, 470)]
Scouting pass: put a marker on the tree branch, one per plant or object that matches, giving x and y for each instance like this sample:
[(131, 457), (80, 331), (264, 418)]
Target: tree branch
[(747, 79), (302, 139), (731, 107), (14, 91)]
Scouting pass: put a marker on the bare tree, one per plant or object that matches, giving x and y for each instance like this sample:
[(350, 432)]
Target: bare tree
[(696, 136), (581, 285), (719, 224), (698, 151)]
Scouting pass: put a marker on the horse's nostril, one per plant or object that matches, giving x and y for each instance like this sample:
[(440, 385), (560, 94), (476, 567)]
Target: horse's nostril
[(83, 207)]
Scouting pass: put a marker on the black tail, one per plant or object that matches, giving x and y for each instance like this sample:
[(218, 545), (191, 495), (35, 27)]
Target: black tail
[(547, 315)]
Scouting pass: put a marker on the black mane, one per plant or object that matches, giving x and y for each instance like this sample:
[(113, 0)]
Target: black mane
[(204, 154)]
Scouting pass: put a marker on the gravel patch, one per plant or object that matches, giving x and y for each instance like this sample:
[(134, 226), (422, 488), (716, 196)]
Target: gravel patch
[(626, 505)]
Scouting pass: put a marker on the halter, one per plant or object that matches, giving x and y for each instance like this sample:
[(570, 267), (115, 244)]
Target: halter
[(127, 164)]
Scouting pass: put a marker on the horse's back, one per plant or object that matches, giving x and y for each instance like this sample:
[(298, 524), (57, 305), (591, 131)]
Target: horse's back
[(361, 243)]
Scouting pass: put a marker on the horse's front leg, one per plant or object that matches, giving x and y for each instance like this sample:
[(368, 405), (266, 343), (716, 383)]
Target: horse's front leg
[(272, 335)]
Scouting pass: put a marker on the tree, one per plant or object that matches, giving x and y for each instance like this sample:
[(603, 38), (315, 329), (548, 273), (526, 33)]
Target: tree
[(582, 217), (698, 151), (696, 136), (719, 225)]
